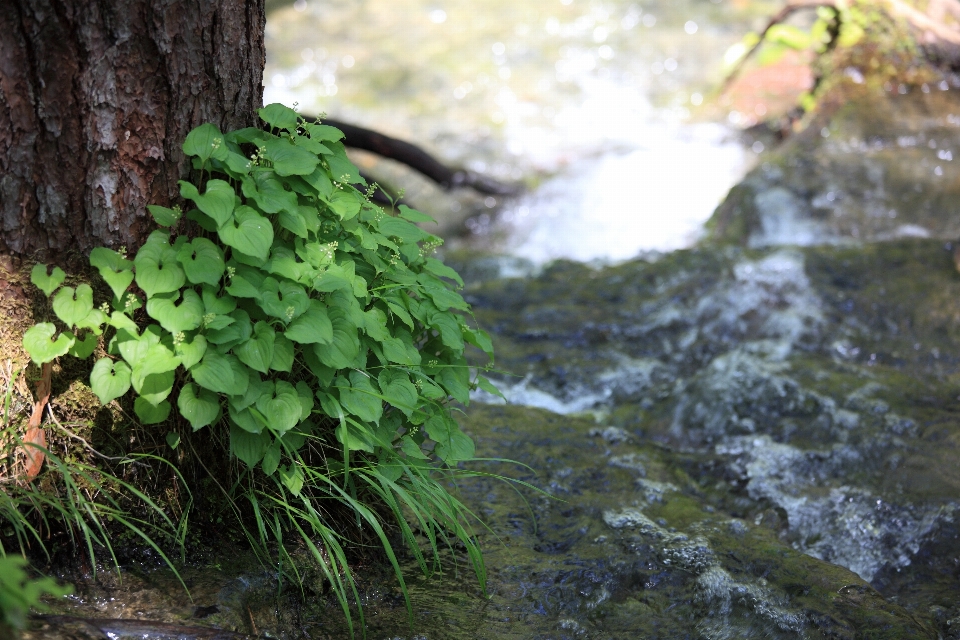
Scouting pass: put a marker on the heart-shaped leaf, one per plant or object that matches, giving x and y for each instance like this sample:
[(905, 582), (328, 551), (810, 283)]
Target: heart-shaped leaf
[(218, 201), (288, 159), (110, 379), (245, 282), (345, 204), (293, 222), (72, 305), (312, 327), (257, 351), (164, 216), (292, 478), (248, 231), (150, 413), (199, 406), (39, 343), (190, 352), (268, 192), (452, 444), (283, 262), (205, 142), (217, 373), (248, 447), (132, 347), (154, 388), (234, 333), (343, 350), (279, 116), (202, 261), (119, 281), (46, 282), (174, 316), (158, 270), (306, 399), (283, 353), (280, 406), (173, 439), (84, 348), (246, 419), (397, 389), (103, 258), (255, 388), (359, 397), (217, 305), (283, 299), (120, 321), (271, 458)]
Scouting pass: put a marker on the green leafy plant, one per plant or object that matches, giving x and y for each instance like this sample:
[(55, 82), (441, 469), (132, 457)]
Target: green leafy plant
[(315, 328), (19, 593)]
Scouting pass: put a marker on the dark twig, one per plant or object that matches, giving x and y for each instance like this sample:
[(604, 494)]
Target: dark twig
[(419, 160)]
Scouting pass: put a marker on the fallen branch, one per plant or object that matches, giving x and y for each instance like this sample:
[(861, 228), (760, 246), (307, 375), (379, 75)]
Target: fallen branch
[(419, 160)]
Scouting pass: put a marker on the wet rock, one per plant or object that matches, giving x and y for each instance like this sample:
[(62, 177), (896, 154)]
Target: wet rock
[(876, 168)]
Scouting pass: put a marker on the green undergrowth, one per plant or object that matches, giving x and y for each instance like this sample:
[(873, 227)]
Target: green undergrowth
[(294, 347)]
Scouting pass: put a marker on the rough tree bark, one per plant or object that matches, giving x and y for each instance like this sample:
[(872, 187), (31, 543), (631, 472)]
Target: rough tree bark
[(96, 97)]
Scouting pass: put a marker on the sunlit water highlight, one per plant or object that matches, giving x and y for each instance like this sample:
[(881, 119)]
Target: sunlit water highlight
[(596, 99)]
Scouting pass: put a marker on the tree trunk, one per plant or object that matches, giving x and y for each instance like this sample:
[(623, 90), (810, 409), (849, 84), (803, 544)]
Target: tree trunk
[(96, 97)]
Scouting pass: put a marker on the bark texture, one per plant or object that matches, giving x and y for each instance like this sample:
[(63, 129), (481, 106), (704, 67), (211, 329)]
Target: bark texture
[(96, 97)]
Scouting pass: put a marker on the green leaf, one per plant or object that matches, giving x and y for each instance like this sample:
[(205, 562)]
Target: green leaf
[(354, 438), (173, 439), (346, 204), (217, 373), (306, 399), (72, 305), (323, 132), (413, 215), (488, 386), (268, 192), (234, 333), (110, 379), (120, 320), (134, 347), (293, 222), (218, 201), (150, 413), (164, 216), (412, 449), (375, 324), (456, 380), (39, 343), (255, 388), (437, 268), (118, 281), (279, 116), (84, 348), (154, 388), (452, 444), (199, 406), (271, 458), (450, 332), (191, 352), (359, 397), (283, 261), (257, 351), (202, 261), (400, 228), (249, 232), (103, 258), (341, 166), (290, 160), (248, 447), (204, 221), (205, 142), (185, 315), (158, 270), (283, 353), (395, 350), (292, 478), (398, 390), (343, 348), (46, 282), (313, 326), (217, 305), (246, 282), (281, 406), (284, 299)]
